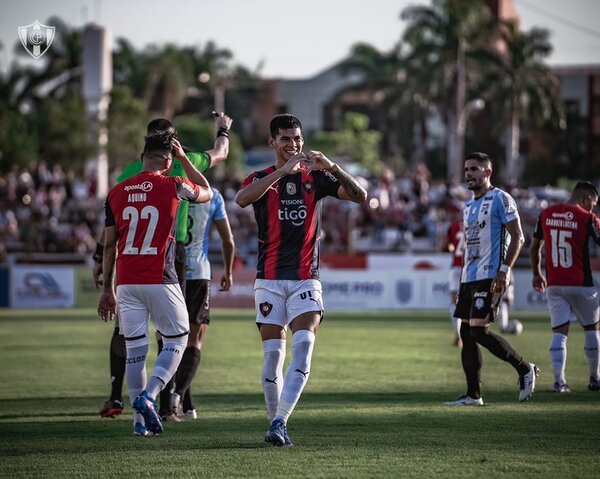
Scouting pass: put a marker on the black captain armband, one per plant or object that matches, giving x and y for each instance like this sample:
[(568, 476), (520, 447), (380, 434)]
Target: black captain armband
[(223, 131), (99, 254)]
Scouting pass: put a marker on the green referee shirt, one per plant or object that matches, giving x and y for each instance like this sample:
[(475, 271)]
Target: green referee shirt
[(200, 160)]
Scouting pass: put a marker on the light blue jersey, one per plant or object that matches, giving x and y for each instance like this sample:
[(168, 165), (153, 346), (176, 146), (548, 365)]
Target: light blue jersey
[(200, 218), (485, 235)]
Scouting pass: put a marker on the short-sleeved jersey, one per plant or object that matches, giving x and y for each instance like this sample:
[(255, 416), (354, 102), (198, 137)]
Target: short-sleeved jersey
[(143, 210), (566, 230), (456, 238), (288, 216), (200, 218), (486, 238), (202, 163)]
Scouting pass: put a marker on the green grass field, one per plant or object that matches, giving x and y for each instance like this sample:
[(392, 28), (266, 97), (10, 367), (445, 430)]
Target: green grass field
[(372, 408)]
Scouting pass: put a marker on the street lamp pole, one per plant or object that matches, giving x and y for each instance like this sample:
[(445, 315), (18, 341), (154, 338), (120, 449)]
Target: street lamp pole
[(477, 104), (218, 87)]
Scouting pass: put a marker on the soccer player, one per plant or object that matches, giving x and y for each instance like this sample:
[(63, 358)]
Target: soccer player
[(455, 243), (202, 161), (489, 217), (197, 295), (287, 292), (140, 223), (565, 229)]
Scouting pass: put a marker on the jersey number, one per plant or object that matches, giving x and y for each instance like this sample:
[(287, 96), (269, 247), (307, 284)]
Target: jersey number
[(562, 253), (131, 214)]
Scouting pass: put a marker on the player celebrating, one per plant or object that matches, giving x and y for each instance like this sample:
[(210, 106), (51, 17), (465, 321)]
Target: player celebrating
[(202, 161), (140, 223), (286, 200), (565, 230), (488, 217)]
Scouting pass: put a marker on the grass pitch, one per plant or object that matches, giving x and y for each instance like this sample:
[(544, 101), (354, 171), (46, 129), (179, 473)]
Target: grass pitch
[(373, 406)]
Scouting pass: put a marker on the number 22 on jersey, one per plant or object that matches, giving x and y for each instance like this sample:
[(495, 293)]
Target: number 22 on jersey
[(133, 216)]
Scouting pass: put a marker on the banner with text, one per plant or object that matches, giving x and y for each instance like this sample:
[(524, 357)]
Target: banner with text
[(41, 287)]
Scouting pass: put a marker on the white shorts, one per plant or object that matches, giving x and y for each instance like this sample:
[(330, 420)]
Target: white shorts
[(568, 304), (161, 303), (454, 279), (281, 301)]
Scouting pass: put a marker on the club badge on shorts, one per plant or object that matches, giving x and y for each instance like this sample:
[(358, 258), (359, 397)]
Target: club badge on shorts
[(265, 308), (36, 38)]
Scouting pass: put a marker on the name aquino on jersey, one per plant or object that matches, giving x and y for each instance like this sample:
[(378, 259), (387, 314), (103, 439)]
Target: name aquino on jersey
[(138, 196)]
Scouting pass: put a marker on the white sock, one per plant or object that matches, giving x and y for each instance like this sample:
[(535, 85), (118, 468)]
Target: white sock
[(272, 374), (166, 364), (502, 319), (296, 376), (135, 375), (558, 356), (590, 346)]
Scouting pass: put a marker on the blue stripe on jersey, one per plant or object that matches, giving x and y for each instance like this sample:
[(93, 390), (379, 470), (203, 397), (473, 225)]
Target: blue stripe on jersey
[(200, 218), (486, 237)]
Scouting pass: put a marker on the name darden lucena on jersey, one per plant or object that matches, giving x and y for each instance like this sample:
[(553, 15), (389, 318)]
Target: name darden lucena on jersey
[(559, 223)]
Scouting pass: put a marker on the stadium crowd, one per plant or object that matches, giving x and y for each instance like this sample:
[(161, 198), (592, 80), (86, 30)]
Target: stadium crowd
[(50, 210)]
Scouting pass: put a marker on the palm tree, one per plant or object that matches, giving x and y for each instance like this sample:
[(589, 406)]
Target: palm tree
[(524, 86), (169, 76), (382, 77), (445, 42)]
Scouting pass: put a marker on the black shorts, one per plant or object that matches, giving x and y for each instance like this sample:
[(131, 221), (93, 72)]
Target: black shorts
[(180, 264), (197, 300), (476, 300)]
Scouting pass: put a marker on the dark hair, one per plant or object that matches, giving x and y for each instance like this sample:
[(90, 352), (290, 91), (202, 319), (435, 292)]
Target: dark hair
[(480, 158), (160, 125), (585, 187), (158, 144), (283, 122)]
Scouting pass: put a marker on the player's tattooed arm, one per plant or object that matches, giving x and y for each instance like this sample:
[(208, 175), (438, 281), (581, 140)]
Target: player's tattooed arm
[(351, 187)]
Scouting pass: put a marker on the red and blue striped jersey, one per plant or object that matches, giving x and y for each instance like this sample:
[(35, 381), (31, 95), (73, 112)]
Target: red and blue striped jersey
[(288, 216)]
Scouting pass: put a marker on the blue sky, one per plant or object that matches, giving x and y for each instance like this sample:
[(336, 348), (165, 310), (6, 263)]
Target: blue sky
[(289, 39)]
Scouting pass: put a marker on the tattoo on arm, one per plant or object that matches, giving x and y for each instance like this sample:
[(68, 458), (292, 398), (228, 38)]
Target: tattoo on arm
[(350, 184)]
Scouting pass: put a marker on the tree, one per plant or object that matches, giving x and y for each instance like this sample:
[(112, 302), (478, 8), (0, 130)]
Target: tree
[(354, 141), (525, 88), (127, 120), (199, 135), (445, 43)]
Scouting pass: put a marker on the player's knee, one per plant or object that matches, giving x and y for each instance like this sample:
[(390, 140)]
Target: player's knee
[(175, 345), (303, 342), (465, 331), (137, 342), (479, 333), (117, 346)]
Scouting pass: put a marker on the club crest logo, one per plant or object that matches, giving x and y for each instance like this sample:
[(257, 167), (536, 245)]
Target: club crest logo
[(290, 188), (265, 308), (308, 186), (36, 38), (404, 291)]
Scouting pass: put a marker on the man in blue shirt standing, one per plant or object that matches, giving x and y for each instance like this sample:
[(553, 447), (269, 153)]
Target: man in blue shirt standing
[(493, 240)]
